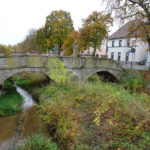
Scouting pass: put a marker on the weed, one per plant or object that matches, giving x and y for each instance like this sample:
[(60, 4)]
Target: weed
[(37, 142)]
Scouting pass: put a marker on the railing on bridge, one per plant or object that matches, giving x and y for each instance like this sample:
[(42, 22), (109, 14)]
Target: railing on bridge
[(136, 66)]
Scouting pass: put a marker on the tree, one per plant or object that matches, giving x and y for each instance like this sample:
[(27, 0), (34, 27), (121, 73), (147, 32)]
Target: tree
[(29, 43), (42, 42), (95, 29), (68, 44), (58, 25), (5, 49), (138, 10)]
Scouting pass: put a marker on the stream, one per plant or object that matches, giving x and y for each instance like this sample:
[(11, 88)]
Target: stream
[(14, 128)]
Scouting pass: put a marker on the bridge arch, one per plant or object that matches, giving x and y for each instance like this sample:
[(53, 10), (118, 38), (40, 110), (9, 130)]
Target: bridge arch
[(81, 67), (115, 75), (12, 72), (107, 76)]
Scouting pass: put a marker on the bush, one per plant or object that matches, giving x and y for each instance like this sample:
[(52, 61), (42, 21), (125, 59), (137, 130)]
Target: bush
[(58, 72), (61, 121), (94, 78), (37, 142), (8, 85), (97, 115), (133, 81), (94, 116)]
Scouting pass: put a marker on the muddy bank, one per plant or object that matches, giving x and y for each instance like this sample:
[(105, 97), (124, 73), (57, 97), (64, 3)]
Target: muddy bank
[(8, 126), (16, 127)]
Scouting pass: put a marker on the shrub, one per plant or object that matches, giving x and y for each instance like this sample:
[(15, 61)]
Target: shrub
[(8, 84), (94, 78), (94, 116), (37, 142), (133, 81), (61, 121), (58, 72)]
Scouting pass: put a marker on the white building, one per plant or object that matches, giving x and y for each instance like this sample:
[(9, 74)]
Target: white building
[(100, 52), (148, 59), (122, 48)]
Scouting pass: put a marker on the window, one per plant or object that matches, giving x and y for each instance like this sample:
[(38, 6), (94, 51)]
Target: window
[(112, 55), (127, 57), (120, 43), (128, 42), (119, 56), (113, 43)]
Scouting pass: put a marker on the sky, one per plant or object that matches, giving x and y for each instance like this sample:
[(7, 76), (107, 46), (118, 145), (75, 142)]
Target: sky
[(18, 17)]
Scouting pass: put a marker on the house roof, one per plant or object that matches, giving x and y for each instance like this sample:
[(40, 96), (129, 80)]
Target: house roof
[(121, 33)]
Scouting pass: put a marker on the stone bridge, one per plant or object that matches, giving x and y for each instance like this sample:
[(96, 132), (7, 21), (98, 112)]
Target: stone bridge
[(80, 67)]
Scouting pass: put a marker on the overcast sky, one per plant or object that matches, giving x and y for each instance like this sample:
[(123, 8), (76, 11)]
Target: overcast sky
[(17, 17)]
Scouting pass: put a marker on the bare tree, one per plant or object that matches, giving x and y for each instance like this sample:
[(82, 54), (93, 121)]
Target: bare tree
[(138, 10)]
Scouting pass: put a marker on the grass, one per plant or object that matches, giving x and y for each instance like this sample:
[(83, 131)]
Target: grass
[(37, 142), (10, 103), (133, 81), (95, 115)]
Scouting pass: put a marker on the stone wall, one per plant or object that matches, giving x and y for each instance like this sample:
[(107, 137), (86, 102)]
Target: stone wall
[(80, 67)]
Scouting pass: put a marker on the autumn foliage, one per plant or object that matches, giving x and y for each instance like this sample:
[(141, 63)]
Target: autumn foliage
[(95, 29), (68, 44)]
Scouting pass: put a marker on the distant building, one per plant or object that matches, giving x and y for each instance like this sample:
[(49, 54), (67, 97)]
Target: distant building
[(122, 48), (100, 52)]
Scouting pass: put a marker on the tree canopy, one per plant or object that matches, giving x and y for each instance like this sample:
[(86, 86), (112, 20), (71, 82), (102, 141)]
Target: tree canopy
[(138, 10), (68, 44), (29, 43), (42, 42), (95, 29), (58, 25), (5, 49)]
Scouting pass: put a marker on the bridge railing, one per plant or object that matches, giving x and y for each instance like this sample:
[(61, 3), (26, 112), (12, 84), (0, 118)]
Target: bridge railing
[(136, 66)]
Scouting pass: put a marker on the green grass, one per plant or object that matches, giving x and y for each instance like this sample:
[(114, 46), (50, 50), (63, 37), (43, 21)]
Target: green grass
[(37, 142), (10, 103), (133, 81)]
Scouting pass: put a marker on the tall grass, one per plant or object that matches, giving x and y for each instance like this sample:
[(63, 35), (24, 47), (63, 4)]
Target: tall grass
[(37, 142), (10, 103), (133, 81)]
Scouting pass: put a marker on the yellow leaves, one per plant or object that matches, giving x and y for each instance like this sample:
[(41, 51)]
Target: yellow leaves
[(102, 109), (67, 46), (110, 122)]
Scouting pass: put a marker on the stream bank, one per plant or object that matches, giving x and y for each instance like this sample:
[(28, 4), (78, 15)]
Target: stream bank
[(14, 128)]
